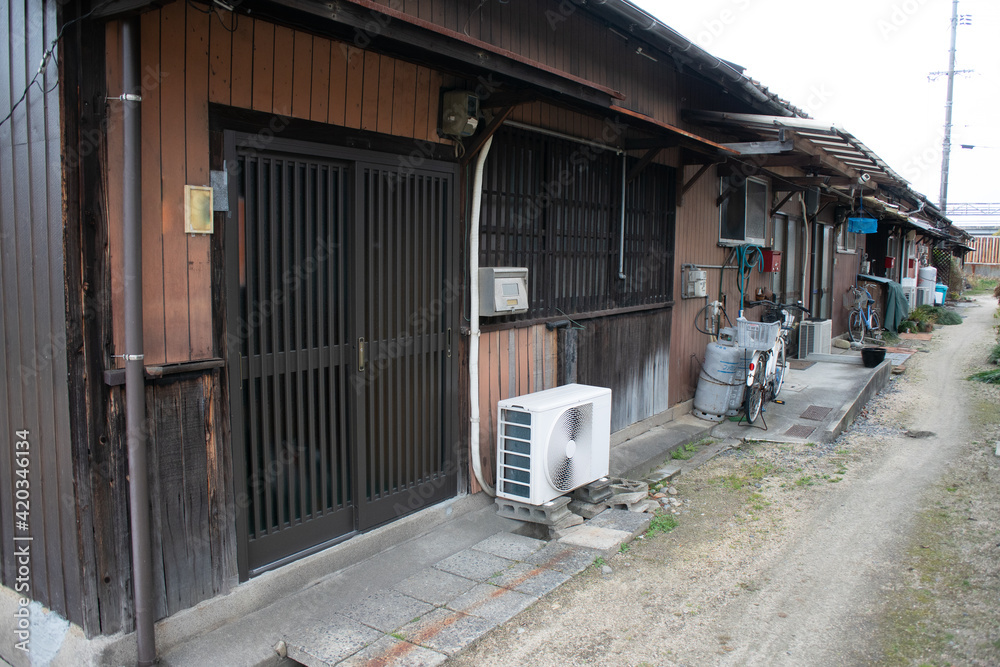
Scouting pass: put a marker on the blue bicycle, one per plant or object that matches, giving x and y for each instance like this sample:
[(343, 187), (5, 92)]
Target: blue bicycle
[(863, 318)]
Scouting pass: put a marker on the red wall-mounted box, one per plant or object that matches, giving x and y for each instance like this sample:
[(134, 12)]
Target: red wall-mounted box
[(890, 262), (772, 261)]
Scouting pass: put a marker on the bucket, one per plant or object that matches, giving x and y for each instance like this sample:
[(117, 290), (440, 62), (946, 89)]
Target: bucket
[(872, 356)]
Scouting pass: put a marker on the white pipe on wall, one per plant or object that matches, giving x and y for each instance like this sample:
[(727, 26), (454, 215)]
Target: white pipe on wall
[(477, 201)]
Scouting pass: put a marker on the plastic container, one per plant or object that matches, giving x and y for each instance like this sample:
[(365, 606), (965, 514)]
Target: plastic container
[(908, 282), (872, 356), (928, 277), (756, 335), (940, 294)]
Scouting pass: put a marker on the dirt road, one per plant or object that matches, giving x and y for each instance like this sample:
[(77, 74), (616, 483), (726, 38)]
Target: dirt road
[(879, 548)]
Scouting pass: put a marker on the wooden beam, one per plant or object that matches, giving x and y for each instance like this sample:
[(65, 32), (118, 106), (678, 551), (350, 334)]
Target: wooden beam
[(791, 160), (480, 139), (803, 145), (781, 203), (646, 144), (832, 181), (508, 98), (643, 163), (761, 147)]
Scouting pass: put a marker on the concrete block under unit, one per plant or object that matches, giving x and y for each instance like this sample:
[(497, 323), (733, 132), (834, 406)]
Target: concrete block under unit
[(595, 492), (547, 514)]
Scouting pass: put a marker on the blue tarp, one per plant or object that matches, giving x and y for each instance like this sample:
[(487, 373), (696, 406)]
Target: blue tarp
[(862, 225)]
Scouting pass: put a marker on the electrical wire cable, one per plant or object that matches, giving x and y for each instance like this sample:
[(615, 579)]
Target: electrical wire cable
[(46, 56)]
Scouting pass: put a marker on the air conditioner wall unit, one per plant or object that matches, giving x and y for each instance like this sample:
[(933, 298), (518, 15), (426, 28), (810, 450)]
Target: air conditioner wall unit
[(814, 337), (552, 441)]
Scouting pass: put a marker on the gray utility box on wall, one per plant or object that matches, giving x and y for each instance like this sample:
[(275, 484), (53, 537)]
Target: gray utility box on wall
[(503, 290)]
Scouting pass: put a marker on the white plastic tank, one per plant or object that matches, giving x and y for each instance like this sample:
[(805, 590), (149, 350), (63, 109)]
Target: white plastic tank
[(928, 277), (718, 377)]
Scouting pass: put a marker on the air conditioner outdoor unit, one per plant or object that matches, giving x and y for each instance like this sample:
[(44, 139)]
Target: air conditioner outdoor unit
[(814, 337), (552, 442)]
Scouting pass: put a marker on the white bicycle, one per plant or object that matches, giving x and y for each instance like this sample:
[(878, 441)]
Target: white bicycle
[(768, 362)]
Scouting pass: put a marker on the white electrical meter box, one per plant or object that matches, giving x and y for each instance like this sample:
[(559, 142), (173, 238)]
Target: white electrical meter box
[(460, 113), (503, 290), (695, 284)]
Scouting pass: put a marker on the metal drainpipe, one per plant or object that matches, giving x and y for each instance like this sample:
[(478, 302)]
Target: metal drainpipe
[(135, 381)]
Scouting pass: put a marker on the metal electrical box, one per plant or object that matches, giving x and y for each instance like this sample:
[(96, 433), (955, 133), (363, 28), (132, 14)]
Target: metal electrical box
[(460, 116), (503, 290), (695, 285)]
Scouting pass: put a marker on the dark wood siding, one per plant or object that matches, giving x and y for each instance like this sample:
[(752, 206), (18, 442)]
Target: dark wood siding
[(630, 354), (34, 393)]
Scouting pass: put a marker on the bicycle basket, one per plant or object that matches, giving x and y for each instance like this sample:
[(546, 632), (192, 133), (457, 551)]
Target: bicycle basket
[(756, 335)]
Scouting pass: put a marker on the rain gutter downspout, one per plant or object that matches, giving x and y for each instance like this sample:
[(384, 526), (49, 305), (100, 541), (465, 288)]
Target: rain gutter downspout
[(477, 201), (135, 381), (806, 250), (621, 242)]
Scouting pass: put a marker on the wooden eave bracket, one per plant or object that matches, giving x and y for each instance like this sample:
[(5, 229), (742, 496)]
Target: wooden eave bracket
[(784, 200), (479, 140), (642, 164)]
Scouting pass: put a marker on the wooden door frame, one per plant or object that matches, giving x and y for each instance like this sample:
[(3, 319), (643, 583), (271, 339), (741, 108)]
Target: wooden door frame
[(450, 260)]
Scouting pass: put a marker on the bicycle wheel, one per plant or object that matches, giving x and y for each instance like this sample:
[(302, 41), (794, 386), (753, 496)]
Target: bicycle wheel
[(780, 368), (856, 326), (876, 327), (754, 396)]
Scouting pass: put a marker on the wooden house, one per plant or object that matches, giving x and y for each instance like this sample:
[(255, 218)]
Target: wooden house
[(304, 335)]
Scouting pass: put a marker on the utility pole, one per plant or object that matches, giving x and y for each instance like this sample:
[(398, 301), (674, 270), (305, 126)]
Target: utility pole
[(946, 147)]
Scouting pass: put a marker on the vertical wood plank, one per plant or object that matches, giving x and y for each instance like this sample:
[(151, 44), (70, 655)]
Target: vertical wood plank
[(173, 154), (220, 56), (302, 75), (369, 93), (115, 167), (242, 66), (196, 125), (355, 87), (337, 106), (421, 103), (284, 58), (263, 66), (320, 104), (433, 106), (404, 92), (386, 94), (153, 323)]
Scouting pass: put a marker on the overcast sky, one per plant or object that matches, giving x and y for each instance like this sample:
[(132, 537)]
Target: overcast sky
[(864, 65)]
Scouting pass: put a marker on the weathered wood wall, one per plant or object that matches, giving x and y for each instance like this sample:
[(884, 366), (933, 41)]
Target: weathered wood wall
[(564, 36), (631, 354), (34, 372), (512, 362), (189, 60)]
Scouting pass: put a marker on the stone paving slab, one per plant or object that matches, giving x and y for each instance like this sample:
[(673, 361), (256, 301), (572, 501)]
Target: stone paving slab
[(509, 545), (434, 586), (632, 523), (446, 631), (337, 638), (530, 579), (492, 602), (392, 652), (387, 610), (564, 558), (473, 564), (605, 540)]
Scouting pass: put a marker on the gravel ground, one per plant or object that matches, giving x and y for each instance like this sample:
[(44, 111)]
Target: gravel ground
[(879, 548)]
